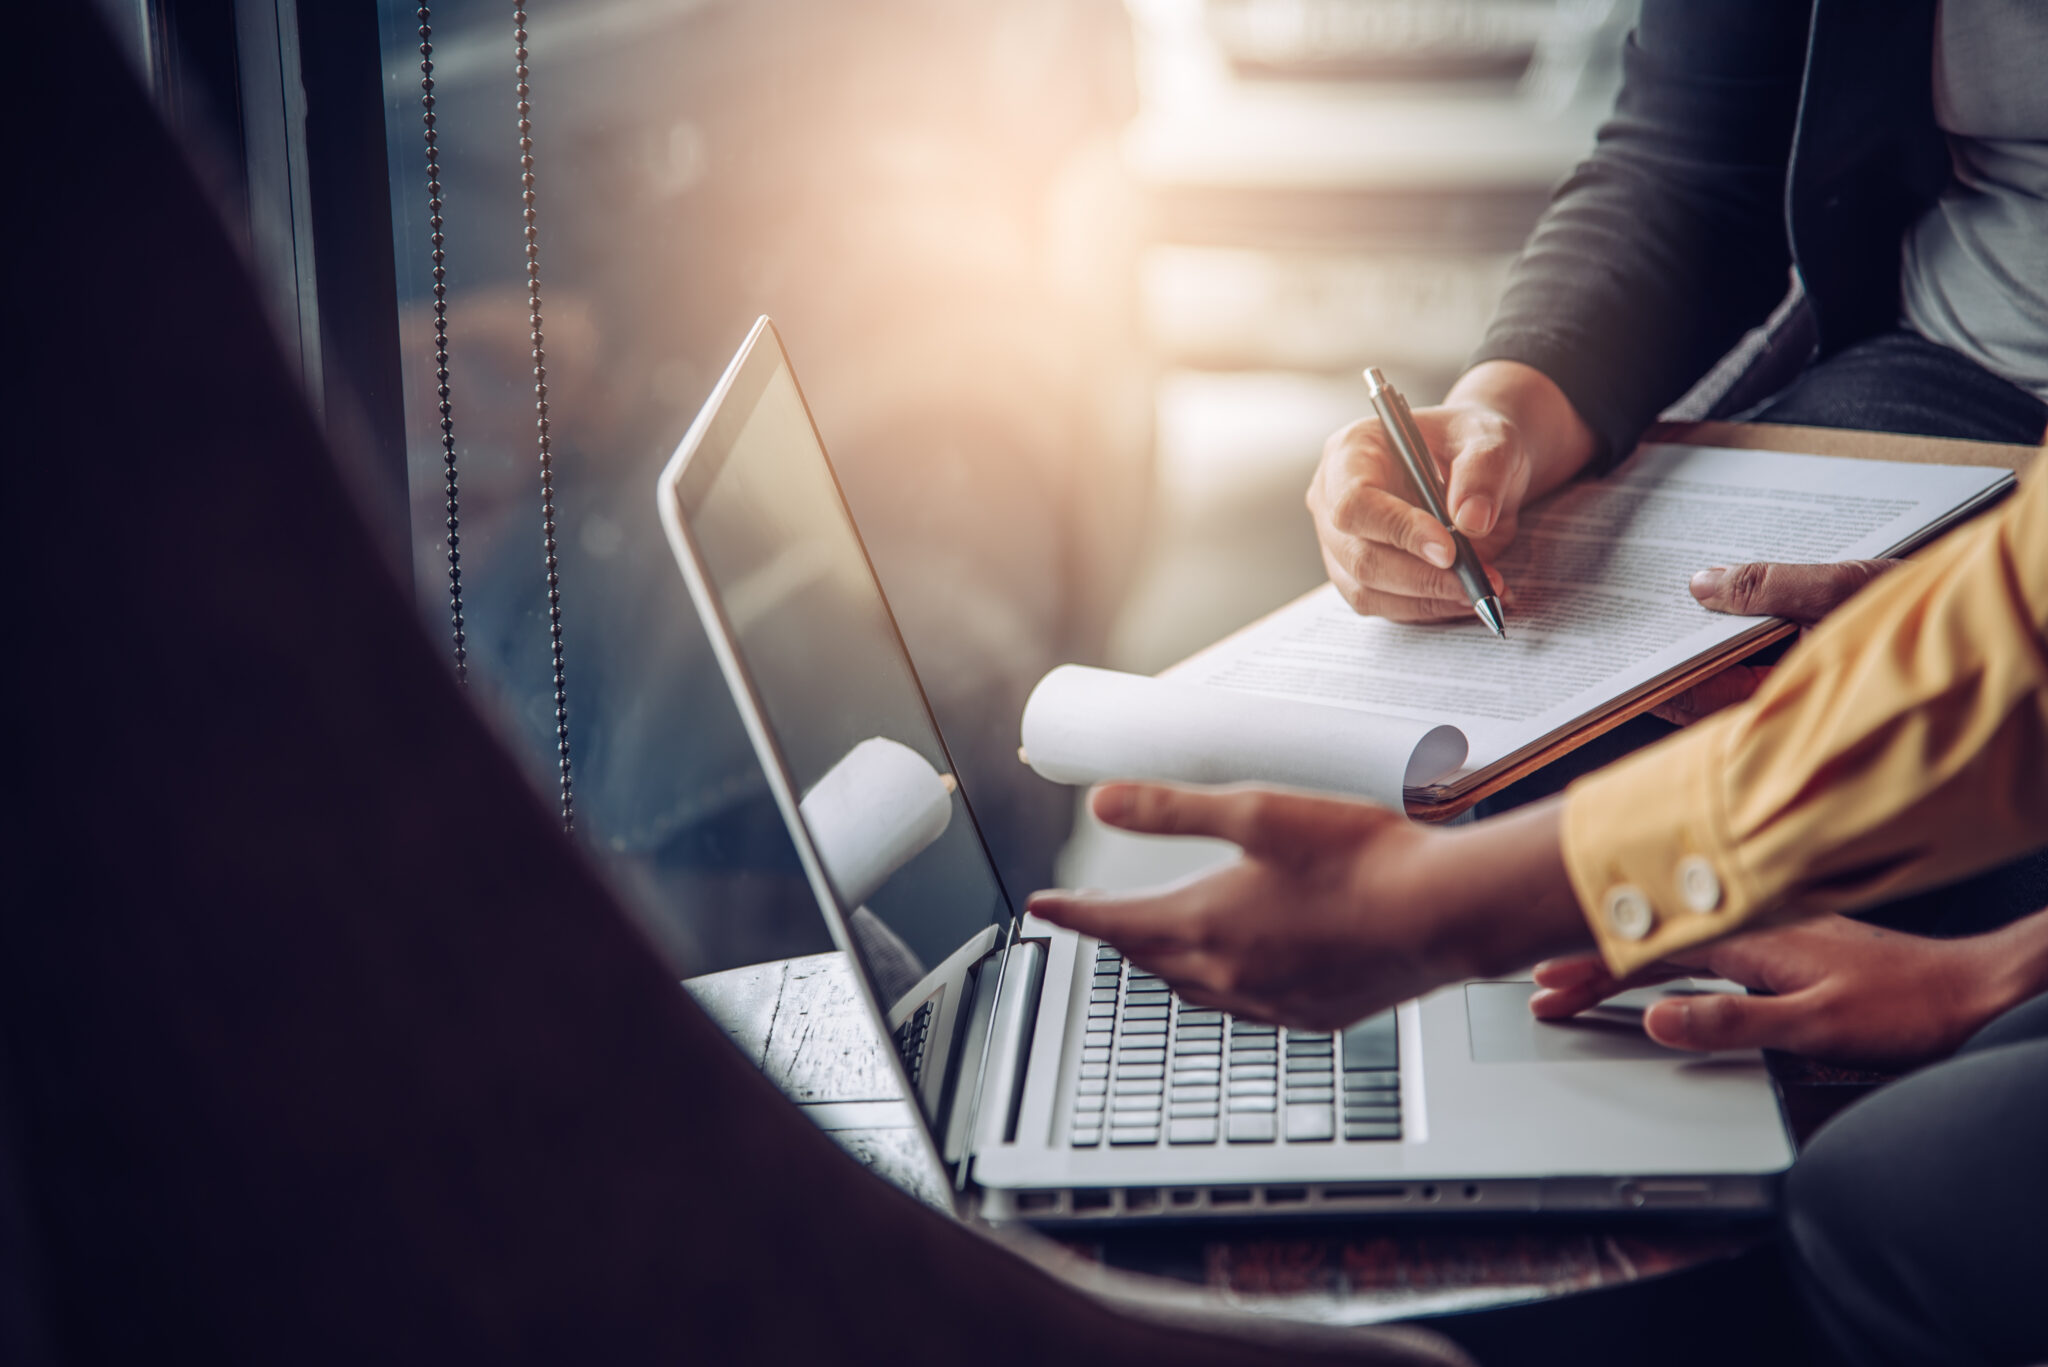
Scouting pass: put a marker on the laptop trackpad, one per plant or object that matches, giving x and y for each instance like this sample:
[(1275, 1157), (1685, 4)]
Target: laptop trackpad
[(1503, 1031)]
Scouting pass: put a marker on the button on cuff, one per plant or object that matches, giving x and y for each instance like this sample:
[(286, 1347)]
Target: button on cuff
[(1628, 911), (1699, 886)]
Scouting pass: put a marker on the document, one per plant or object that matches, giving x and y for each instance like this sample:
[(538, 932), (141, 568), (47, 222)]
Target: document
[(1601, 617)]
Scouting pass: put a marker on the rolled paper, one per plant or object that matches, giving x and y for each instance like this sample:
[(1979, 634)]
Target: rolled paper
[(872, 813), (1084, 725)]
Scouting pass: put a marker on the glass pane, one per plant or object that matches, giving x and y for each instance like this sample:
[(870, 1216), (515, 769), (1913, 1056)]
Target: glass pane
[(927, 198)]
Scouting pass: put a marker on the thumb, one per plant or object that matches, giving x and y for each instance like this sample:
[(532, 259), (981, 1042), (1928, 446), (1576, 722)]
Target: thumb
[(1803, 593), (1726, 1020), (1484, 482)]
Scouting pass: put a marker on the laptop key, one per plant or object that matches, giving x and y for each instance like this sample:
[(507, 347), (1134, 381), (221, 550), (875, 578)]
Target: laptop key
[(1250, 1129), (1088, 1103), (1379, 1130), (1194, 1110), (1310, 1124), (1120, 1135), (1325, 1095), (1087, 1139), (1375, 1115), (1254, 1103), (1373, 1042), (1191, 1131)]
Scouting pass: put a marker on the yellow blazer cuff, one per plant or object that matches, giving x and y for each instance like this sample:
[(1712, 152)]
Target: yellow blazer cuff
[(1647, 846)]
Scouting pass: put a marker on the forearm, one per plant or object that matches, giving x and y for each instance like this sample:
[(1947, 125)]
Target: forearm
[(1498, 892), (1669, 240), (1902, 745)]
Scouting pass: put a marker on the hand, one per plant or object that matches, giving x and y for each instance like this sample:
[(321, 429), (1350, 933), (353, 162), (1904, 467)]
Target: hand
[(1505, 434), (1800, 593), (1336, 909), (1389, 557), (1844, 991)]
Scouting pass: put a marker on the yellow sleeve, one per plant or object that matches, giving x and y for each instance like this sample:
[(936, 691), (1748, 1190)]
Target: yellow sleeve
[(1901, 745)]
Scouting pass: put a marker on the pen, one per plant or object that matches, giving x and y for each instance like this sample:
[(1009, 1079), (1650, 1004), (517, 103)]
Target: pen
[(1422, 472)]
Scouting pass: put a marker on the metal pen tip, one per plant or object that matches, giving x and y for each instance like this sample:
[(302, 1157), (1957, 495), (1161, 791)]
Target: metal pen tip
[(1489, 612)]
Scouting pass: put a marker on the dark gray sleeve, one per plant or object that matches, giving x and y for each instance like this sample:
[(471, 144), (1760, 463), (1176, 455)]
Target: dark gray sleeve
[(1669, 241)]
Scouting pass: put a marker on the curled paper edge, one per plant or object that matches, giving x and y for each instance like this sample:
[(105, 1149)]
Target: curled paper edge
[(1085, 725), (873, 812)]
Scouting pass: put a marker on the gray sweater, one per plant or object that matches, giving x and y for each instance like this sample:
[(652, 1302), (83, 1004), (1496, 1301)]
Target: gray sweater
[(1974, 268)]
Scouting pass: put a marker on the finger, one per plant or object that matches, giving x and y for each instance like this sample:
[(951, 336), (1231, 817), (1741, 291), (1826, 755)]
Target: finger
[(1152, 923), (1380, 568), (1256, 819), (1560, 1002), (1395, 607), (1373, 513), (1732, 685), (1724, 1020), (1484, 478), (1802, 593), (1573, 970)]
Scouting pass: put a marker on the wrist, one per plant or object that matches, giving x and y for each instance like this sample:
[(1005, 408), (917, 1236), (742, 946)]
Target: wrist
[(1556, 440), (1498, 894), (2009, 966)]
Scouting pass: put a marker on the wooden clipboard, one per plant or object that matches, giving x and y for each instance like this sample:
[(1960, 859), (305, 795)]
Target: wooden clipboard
[(1818, 441)]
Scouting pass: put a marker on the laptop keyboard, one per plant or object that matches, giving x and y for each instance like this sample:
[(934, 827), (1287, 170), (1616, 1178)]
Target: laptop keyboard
[(911, 1037), (1156, 1069)]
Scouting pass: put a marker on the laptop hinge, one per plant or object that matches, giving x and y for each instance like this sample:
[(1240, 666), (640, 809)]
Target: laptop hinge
[(1016, 1016), (998, 1030)]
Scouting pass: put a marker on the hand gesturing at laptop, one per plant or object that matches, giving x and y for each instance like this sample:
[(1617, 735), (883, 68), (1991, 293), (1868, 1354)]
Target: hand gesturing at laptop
[(1336, 909)]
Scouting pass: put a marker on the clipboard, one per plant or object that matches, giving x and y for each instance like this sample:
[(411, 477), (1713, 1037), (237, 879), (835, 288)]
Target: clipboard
[(1819, 441)]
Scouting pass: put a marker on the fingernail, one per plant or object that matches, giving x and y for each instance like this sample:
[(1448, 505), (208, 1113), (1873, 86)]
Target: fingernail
[(1672, 1019), (1475, 518), (1438, 554), (1707, 582), (1111, 803)]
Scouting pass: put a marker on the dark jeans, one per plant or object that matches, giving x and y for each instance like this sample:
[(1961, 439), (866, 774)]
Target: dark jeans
[(1916, 1221)]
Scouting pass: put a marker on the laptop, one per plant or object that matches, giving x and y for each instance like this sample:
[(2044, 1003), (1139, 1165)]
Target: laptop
[(1057, 1082)]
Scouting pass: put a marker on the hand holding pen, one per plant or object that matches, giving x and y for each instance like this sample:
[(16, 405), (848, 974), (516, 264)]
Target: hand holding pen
[(1428, 487), (1387, 555)]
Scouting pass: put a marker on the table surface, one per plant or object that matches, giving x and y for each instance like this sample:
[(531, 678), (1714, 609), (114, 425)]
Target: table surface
[(801, 1021)]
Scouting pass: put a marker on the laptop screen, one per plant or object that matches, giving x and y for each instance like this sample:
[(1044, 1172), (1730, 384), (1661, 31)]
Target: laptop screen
[(831, 683)]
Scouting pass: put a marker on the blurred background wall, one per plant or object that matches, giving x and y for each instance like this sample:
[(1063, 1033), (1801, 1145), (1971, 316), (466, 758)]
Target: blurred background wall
[(1076, 289)]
